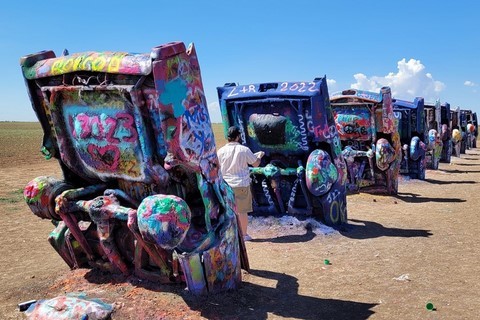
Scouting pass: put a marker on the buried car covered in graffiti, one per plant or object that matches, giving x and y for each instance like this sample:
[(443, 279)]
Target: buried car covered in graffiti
[(433, 123), (469, 125), (411, 127), (141, 191), (445, 130), (472, 128), (303, 172), (370, 139), (457, 134)]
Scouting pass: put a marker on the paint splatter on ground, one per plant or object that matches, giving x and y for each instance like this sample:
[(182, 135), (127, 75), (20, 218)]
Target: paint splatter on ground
[(287, 225)]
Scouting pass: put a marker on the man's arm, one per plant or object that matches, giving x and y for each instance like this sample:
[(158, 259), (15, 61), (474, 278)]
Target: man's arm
[(256, 163), (259, 156)]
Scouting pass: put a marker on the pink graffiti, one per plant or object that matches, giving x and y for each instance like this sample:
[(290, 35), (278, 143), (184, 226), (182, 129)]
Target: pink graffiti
[(104, 127), (107, 156)]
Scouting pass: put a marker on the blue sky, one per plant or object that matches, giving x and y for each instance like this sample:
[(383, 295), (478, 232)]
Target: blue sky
[(419, 48)]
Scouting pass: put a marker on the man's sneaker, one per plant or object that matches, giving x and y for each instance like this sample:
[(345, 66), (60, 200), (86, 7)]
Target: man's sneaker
[(247, 238)]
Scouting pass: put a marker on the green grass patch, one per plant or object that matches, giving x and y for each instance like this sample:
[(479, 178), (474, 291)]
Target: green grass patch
[(13, 197)]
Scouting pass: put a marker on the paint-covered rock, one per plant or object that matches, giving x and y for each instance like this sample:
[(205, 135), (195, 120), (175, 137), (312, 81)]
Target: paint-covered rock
[(432, 135), (415, 148), (456, 135), (164, 220), (321, 173), (384, 154)]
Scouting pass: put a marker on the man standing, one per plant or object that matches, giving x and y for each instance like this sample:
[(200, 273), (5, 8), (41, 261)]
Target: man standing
[(234, 159)]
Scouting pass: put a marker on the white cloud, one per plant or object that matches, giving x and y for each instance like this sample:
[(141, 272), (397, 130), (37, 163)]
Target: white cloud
[(408, 82), (331, 82), (332, 85), (469, 83)]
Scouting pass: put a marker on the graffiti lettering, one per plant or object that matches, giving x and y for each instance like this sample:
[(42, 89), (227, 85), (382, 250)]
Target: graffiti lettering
[(267, 193), (87, 62), (318, 131), (303, 132), (244, 89), (196, 115), (355, 128), (333, 195), (103, 127), (330, 132), (242, 131), (338, 211), (326, 132), (298, 86), (251, 88), (196, 139), (291, 201), (356, 145), (308, 116)]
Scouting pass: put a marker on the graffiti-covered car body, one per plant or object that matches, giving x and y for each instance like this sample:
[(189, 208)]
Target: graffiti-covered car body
[(446, 132), (433, 126), (411, 127), (463, 128), (468, 120), (303, 171), (457, 135), (474, 129), (141, 191), (370, 141)]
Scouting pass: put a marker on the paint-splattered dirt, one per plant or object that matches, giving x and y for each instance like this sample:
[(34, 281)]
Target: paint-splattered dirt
[(397, 254)]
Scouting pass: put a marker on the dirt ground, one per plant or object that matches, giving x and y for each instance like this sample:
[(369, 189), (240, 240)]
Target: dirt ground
[(395, 255)]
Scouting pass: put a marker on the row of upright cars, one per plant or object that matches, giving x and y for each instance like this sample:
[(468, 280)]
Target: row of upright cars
[(320, 146), (141, 189)]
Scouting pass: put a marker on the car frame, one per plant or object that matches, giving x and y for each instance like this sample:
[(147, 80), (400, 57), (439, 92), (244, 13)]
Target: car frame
[(474, 122), (370, 140), (470, 125), (433, 122), (141, 190), (411, 127), (303, 172), (446, 132)]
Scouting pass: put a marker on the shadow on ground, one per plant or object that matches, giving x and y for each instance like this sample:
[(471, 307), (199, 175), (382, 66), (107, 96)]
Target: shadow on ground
[(458, 171), (370, 229), (253, 301), (467, 164), (417, 198), (449, 182)]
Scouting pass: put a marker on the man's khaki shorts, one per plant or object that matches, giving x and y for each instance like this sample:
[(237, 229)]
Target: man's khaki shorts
[(243, 199)]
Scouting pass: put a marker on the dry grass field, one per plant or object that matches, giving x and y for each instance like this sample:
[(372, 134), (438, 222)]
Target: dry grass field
[(395, 255)]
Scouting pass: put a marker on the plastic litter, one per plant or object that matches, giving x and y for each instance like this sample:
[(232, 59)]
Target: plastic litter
[(403, 277), (70, 306)]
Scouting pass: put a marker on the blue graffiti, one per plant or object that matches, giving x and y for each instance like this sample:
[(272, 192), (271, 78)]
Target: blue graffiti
[(175, 92)]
